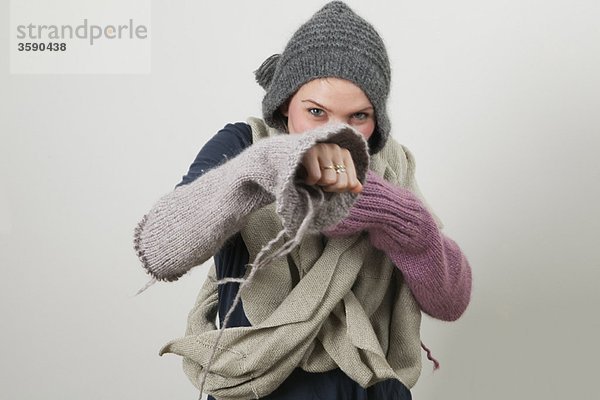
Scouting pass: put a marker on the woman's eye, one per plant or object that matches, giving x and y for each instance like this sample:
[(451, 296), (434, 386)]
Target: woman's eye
[(361, 116), (317, 112)]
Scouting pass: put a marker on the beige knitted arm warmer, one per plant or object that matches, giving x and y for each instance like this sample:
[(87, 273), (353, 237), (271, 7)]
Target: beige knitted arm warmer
[(187, 226)]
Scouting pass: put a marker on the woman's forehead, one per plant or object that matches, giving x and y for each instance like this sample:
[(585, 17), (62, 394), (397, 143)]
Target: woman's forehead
[(332, 89)]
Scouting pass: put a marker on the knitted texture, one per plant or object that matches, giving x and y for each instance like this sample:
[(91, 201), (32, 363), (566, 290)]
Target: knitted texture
[(399, 224), (351, 309), (334, 42), (187, 226)]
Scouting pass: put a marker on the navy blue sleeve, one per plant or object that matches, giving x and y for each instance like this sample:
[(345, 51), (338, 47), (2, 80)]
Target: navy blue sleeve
[(226, 144), (231, 259)]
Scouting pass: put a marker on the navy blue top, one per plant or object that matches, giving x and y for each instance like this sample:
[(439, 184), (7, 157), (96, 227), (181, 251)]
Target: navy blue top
[(231, 261)]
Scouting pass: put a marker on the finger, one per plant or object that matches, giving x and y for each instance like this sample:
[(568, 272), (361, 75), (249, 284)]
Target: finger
[(354, 184), (340, 186), (310, 161), (341, 178), (327, 153), (328, 175)]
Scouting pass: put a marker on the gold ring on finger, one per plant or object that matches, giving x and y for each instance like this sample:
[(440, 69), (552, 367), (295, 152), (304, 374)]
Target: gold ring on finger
[(339, 168)]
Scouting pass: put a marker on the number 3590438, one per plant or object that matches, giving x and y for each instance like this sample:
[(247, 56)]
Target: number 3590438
[(50, 46)]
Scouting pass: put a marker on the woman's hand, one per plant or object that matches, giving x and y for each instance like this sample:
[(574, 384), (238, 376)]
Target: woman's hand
[(319, 168)]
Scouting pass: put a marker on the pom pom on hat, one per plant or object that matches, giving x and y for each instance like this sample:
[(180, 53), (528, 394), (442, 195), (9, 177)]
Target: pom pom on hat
[(264, 73)]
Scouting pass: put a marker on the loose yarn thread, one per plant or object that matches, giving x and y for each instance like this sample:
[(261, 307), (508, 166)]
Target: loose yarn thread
[(146, 286), (261, 260), (436, 363)]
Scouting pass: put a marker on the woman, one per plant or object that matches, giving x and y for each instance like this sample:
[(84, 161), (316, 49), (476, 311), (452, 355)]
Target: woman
[(334, 311)]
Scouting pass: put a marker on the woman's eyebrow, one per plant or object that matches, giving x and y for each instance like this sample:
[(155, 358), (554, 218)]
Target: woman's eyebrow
[(312, 101), (326, 109)]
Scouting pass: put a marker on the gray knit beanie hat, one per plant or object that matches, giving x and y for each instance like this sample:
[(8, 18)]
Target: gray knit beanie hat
[(334, 42)]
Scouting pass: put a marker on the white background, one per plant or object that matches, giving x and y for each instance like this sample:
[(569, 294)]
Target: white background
[(499, 102)]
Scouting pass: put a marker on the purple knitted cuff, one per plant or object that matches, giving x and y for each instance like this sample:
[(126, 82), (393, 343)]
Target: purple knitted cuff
[(383, 206)]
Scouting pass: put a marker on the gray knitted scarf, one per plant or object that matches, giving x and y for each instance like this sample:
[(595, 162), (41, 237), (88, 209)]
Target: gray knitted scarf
[(351, 308)]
